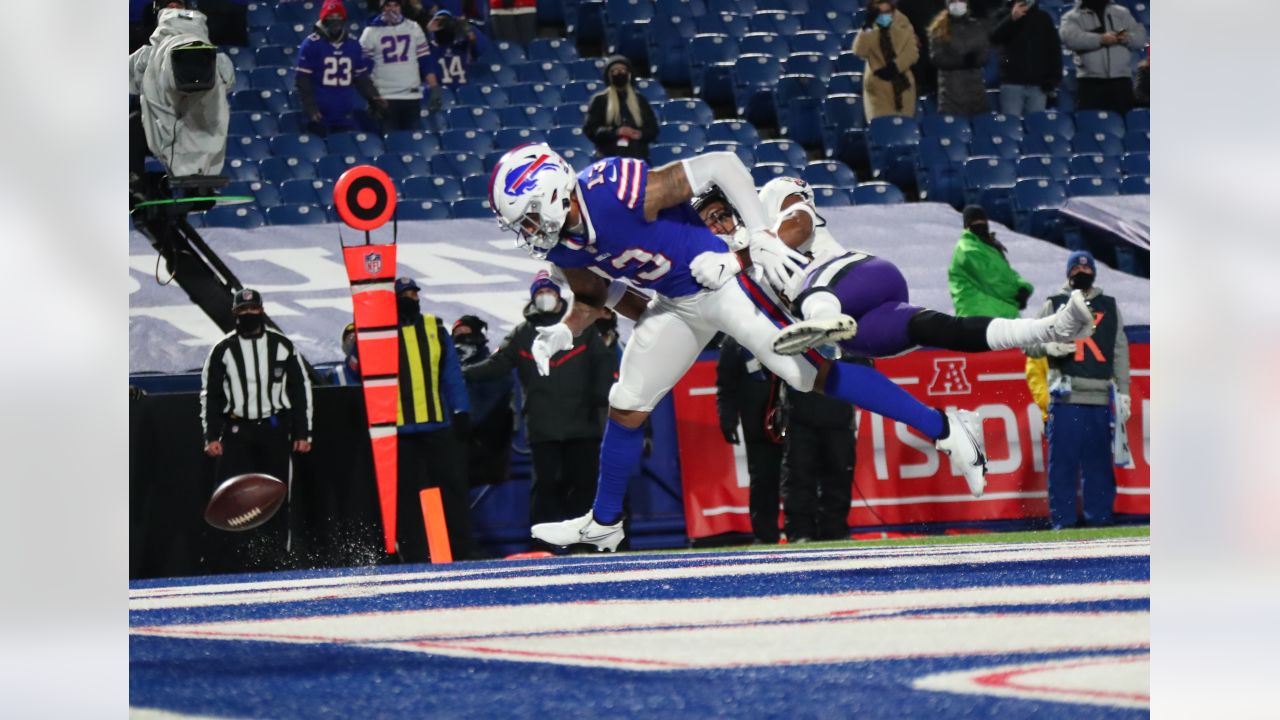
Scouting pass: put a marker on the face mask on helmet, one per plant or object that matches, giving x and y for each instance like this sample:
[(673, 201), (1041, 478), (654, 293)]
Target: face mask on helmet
[(774, 194), (530, 192)]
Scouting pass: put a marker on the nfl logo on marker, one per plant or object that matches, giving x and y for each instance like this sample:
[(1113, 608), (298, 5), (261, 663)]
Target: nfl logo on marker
[(373, 263)]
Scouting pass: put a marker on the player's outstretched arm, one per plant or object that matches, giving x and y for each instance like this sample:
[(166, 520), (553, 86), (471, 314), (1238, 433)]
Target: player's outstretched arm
[(592, 292)]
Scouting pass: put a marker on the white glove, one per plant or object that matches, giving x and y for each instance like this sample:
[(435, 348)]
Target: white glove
[(1124, 406), (778, 261), (1057, 349), (714, 269), (550, 340)]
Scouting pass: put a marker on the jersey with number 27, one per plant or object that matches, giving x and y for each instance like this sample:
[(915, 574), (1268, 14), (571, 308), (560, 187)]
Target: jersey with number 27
[(332, 69), (622, 243)]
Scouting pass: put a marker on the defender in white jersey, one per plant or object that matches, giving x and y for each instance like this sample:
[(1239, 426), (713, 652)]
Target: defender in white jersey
[(398, 49)]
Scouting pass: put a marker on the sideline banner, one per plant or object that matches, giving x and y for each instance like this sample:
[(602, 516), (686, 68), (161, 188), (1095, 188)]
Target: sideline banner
[(899, 476)]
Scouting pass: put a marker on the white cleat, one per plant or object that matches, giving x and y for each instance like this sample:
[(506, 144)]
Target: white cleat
[(806, 334), (1074, 320), (584, 529), (965, 445)]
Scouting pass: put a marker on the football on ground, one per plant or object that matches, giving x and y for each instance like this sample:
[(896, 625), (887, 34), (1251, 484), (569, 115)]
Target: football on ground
[(244, 502)]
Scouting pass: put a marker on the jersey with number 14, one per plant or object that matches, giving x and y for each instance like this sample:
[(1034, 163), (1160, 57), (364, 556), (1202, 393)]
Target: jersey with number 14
[(622, 243)]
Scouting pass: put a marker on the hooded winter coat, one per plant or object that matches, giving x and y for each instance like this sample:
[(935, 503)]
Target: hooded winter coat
[(981, 280), (877, 93), (958, 47), (195, 144), (1082, 30)]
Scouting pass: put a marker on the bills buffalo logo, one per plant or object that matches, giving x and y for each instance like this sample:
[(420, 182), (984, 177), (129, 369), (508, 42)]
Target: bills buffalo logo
[(949, 377), (523, 178), (373, 263)]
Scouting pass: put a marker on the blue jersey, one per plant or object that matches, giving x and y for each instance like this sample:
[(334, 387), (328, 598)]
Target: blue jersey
[(332, 69), (618, 239)]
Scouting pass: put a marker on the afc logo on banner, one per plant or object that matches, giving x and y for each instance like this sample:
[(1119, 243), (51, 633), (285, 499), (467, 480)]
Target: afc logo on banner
[(949, 377), (373, 263)]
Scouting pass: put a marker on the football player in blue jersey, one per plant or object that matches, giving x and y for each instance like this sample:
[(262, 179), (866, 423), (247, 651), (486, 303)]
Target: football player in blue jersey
[(620, 227)]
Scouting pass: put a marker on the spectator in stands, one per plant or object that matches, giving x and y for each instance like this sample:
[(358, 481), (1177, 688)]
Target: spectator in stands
[(348, 373), (455, 44), (921, 13), (821, 448), (1142, 82), (1031, 67), (513, 20), (490, 442), (433, 421), (397, 50), (253, 414), (1103, 36), (748, 394), (887, 41), (981, 281), (565, 404), (1083, 377), (958, 46), (619, 119), (331, 70)]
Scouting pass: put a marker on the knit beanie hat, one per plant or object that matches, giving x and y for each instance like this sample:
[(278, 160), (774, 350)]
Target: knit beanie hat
[(1079, 258)]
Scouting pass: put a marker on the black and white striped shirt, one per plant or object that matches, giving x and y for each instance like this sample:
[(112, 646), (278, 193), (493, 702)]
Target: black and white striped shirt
[(254, 379)]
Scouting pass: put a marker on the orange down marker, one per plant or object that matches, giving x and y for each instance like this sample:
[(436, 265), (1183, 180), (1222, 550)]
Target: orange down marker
[(437, 530)]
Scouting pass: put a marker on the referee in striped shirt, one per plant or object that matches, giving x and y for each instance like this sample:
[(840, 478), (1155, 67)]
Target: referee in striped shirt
[(255, 407)]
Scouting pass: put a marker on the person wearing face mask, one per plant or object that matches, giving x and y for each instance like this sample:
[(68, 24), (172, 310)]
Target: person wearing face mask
[(564, 409), (331, 69), (455, 44), (887, 41), (981, 280), (1103, 35), (1089, 391), (959, 47), (1031, 66), (255, 409), (433, 421), (398, 51), (619, 119), (489, 446)]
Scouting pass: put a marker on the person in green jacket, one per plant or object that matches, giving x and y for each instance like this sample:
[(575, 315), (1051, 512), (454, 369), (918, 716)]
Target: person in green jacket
[(980, 278)]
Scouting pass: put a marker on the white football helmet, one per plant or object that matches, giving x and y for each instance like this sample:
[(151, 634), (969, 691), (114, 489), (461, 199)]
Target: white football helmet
[(529, 192), (779, 189)]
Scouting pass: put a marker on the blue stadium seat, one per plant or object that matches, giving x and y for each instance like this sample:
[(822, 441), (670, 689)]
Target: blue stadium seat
[(687, 134), (234, 216), (431, 187), (988, 181), (994, 146), (264, 194), (401, 165), (355, 143), (294, 121), (423, 209), (252, 123), (571, 113), (1135, 185), (745, 153), (809, 63), (730, 24), (817, 41), (330, 167), (708, 50), (246, 101), (419, 142), (687, 110), (780, 22), (663, 153), (1056, 145), (844, 129), (553, 50), (745, 7), (511, 53), (1137, 142), (492, 73), (481, 95), (578, 92), (240, 169), (475, 186), (540, 94), (297, 12), (1092, 186), (764, 172), (784, 152), (306, 192), (891, 146), (585, 69), (279, 168), (877, 193), (473, 118), (1138, 120), (988, 125), (1035, 207), (260, 15), (938, 125), (576, 156), (476, 142), (296, 215), (791, 6), (275, 56), (754, 77), (847, 62), (309, 147), (477, 208), (551, 12), (764, 43), (1094, 166), (800, 119), (273, 101), (940, 169), (249, 147), (1135, 164), (545, 71), (278, 79), (668, 48), (1098, 143), (652, 90), (845, 83), (827, 196), (679, 8), (735, 131), (1049, 122), (1043, 166), (507, 138), (829, 172), (628, 11), (570, 136), (1089, 122), (455, 165)]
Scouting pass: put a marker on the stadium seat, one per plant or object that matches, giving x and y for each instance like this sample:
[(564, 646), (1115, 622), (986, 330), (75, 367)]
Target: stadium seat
[(1137, 142), (847, 62), (764, 172), (845, 83), (507, 138), (473, 118), (1035, 207), (234, 216), (652, 90), (330, 167), (294, 121), (249, 147), (988, 125), (663, 153), (412, 141), (546, 71), (628, 11), (1135, 164), (569, 136), (938, 125), (754, 77), (252, 123), (240, 169), (708, 50), (422, 209), (729, 23), (541, 94), (271, 101), (431, 187), (1138, 120), (1098, 143), (279, 168), (1094, 166), (259, 15), (1089, 122), (246, 101), (571, 113), (763, 43), (688, 134), (773, 21), (1089, 186), (264, 194), (826, 44), (476, 142), (491, 73), (551, 49), (829, 172), (988, 181), (745, 153), (1043, 166), (745, 7), (471, 208), (877, 193), (401, 165), (475, 186), (668, 48), (277, 79), (781, 151), (827, 196), (993, 146), (844, 129), (791, 6), (577, 92), (455, 165), (296, 215), (1049, 122), (585, 69), (306, 192), (481, 95), (1135, 185), (355, 143), (940, 169), (1055, 145), (891, 146), (809, 63), (532, 116), (833, 21), (687, 110), (800, 119), (734, 131), (275, 56), (679, 8), (296, 12), (308, 147)]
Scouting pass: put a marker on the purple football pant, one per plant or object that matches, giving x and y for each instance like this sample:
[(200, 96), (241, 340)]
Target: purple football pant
[(873, 292)]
